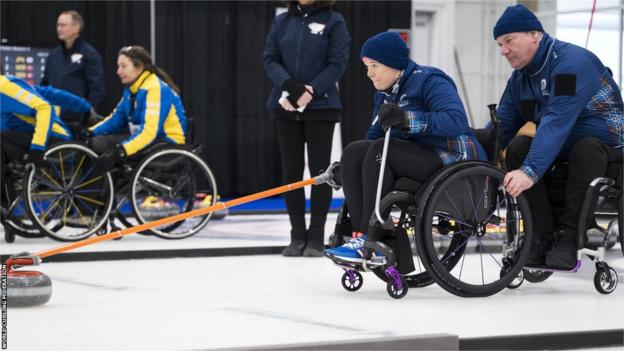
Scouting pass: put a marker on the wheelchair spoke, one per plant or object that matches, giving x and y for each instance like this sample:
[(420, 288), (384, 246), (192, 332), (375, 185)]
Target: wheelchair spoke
[(489, 253), (42, 193), (481, 261), (91, 200), (62, 168), (471, 198), (454, 219), (51, 179), (65, 212), (73, 178), (461, 268), (89, 182), (454, 252), (83, 203), (47, 212)]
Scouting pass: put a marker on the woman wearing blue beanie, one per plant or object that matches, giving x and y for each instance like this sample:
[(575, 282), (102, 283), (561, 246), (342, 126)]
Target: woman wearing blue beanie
[(429, 130)]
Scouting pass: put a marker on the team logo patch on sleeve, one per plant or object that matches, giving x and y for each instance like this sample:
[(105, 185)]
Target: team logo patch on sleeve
[(565, 85)]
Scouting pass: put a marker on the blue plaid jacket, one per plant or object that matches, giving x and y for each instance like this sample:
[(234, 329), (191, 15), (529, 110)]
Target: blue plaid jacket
[(569, 94), (436, 114)]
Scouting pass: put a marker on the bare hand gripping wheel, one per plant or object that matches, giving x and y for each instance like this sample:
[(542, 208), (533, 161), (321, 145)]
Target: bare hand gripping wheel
[(32, 288)]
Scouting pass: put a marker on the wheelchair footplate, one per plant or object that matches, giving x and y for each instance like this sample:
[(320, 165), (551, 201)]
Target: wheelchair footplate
[(381, 257), (555, 269)]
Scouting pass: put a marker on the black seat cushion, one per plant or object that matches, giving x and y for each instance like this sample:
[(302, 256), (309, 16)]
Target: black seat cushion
[(407, 185)]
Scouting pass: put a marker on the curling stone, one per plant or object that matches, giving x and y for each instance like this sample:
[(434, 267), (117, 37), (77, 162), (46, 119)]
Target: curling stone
[(28, 288)]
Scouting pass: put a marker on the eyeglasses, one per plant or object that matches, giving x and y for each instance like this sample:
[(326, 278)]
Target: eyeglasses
[(127, 48)]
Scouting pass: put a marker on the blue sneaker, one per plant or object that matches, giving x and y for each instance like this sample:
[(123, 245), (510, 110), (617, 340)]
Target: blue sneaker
[(352, 251)]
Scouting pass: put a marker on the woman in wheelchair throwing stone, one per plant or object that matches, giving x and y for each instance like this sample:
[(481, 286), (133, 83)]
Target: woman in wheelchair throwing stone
[(429, 131), (150, 110)]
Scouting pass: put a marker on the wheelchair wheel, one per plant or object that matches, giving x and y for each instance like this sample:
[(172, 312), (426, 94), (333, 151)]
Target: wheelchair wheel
[(490, 228), (65, 200), (167, 183), (14, 217), (17, 222)]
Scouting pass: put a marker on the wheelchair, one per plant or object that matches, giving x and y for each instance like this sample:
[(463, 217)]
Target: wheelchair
[(460, 230), (604, 198), (163, 181), (67, 201), (62, 199)]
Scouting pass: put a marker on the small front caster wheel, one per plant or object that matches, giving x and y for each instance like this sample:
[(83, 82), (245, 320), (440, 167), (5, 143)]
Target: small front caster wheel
[(352, 280), (395, 291)]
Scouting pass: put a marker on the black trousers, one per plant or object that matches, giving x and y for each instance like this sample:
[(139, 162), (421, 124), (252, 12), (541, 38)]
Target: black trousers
[(359, 170), (13, 146), (556, 199), (103, 143), (293, 135)]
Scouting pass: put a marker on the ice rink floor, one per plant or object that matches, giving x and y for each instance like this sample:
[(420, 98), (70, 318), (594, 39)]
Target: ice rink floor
[(259, 300)]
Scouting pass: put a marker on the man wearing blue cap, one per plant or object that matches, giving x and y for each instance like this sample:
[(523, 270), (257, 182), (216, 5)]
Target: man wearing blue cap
[(577, 108), (430, 131)]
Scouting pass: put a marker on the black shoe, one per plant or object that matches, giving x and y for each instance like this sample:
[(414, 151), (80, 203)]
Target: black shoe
[(297, 243), (314, 243), (563, 251), (313, 252), (293, 250), (539, 246)]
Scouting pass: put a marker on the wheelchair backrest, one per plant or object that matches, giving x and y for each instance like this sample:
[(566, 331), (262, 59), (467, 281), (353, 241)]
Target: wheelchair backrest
[(489, 138)]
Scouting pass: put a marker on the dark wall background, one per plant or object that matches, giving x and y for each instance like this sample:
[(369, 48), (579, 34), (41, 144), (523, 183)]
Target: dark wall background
[(213, 51)]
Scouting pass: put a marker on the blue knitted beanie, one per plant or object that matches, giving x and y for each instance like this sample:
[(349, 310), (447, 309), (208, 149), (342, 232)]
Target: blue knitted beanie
[(387, 48), (516, 19)]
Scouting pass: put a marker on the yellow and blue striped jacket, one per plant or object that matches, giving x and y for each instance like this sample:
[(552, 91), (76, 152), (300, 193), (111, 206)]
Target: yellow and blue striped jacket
[(23, 108), (151, 109)]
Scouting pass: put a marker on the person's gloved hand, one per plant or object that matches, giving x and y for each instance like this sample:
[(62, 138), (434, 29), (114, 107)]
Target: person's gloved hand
[(295, 90), (108, 160), (391, 115), (93, 117), (85, 134), (335, 181), (35, 157)]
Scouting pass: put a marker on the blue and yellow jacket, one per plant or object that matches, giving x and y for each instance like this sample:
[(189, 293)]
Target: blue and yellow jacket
[(569, 94), (151, 110), (24, 108)]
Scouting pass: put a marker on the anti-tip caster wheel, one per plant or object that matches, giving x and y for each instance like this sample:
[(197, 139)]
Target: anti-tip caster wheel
[(518, 280), (535, 275), (352, 280), (605, 280), (9, 235)]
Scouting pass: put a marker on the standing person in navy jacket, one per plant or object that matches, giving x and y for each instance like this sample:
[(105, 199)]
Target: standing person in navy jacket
[(74, 66), (577, 107), (429, 131), (306, 54)]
